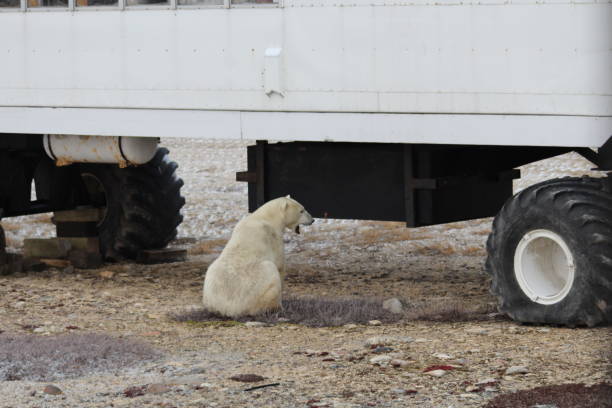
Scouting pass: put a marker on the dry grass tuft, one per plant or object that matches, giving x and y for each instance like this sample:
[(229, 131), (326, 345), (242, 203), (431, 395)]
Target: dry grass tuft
[(37, 358), (309, 311), (560, 396), (208, 247), (389, 234), (327, 312), (473, 250)]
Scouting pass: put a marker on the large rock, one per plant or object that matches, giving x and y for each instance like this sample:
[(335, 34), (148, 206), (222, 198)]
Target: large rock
[(393, 305)]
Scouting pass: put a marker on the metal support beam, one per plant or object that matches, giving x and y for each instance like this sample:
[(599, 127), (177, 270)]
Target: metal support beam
[(409, 200), (260, 172)]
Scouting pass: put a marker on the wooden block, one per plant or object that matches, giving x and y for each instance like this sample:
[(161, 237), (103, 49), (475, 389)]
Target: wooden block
[(87, 244), (153, 256), (84, 259), (46, 248), (76, 229), (90, 214)]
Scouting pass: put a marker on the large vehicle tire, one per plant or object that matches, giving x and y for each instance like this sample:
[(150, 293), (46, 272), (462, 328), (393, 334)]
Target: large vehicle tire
[(550, 253), (142, 205)]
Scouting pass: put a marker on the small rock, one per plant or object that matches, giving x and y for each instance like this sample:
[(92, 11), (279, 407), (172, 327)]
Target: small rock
[(437, 373), (154, 316), (381, 360), (19, 305), (374, 322), (398, 363), (421, 340), (39, 330), (516, 370), (442, 356), (247, 378), (393, 305), (543, 330), (52, 390), (106, 274), (255, 324), (350, 326), (158, 388), (382, 349), (377, 341), (472, 388), (203, 387)]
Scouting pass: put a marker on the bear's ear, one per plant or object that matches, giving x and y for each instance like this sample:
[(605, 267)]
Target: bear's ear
[(288, 196), (284, 205)]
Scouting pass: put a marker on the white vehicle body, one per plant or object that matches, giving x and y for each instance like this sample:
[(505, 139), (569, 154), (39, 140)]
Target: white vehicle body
[(489, 72)]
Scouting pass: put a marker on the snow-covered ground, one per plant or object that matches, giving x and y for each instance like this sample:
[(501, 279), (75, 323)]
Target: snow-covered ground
[(215, 201)]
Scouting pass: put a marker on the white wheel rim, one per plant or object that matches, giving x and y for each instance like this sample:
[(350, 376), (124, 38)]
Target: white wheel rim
[(544, 267)]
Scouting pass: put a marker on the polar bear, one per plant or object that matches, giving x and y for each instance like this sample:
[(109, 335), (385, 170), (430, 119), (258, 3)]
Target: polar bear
[(246, 279)]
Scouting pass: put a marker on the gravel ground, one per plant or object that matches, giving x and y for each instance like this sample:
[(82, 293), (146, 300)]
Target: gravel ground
[(313, 366)]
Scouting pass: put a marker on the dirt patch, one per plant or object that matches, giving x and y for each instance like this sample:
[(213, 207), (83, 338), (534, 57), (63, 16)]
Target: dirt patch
[(559, 396), (38, 358), (436, 271)]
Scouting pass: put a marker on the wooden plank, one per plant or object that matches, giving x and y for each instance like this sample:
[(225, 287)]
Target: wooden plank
[(89, 214)]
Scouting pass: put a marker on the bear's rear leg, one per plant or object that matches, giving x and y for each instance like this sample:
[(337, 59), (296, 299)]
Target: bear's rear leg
[(266, 295)]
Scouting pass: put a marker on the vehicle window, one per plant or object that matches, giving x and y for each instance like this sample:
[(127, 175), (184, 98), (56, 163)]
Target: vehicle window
[(254, 1), (96, 3), (9, 3), (200, 2), (146, 2), (47, 3)]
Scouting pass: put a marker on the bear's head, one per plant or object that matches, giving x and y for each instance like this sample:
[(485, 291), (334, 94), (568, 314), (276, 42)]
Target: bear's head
[(294, 214)]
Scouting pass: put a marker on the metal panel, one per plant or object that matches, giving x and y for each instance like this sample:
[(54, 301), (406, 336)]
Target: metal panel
[(487, 57), (524, 130), (387, 182)]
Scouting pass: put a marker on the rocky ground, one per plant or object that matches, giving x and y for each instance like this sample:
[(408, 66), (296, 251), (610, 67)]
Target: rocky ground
[(414, 363)]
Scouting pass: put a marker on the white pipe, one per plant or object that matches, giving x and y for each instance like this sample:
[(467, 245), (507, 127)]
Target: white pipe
[(67, 149)]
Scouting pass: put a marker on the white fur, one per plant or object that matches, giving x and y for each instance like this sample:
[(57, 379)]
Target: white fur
[(247, 277)]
